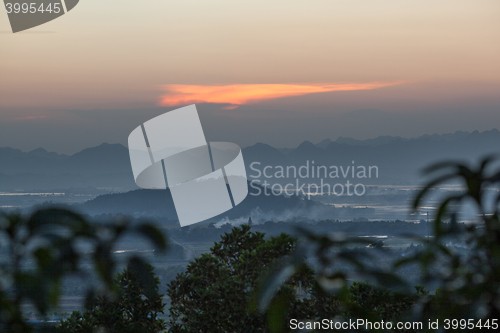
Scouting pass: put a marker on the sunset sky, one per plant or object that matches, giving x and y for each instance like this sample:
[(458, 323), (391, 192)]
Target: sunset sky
[(279, 72)]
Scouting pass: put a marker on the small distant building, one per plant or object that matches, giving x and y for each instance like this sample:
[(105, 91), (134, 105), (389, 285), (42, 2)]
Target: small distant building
[(250, 221)]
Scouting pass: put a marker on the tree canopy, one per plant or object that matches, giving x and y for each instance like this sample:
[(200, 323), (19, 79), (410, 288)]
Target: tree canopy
[(135, 308), (215, 292)]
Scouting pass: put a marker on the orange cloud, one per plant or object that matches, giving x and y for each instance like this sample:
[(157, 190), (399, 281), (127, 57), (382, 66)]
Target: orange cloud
[(239, 94)]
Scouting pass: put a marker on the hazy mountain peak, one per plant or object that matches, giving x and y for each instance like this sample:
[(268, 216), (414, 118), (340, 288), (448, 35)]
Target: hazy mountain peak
[(459, 135), (110, 145), (307, 146), (348, 141), (104, 147), (10, 150), (323, 144), (259, 146), (261, 149), (41, 152)]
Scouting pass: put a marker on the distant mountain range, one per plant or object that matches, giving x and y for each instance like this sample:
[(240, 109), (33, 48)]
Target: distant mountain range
[(104, 166), (399, 160), (108, 166)]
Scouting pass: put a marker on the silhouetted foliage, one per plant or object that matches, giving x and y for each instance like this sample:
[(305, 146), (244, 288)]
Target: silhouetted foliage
[(52, 239), (134, 310), (214, 293), (469, 283), (217, 292)]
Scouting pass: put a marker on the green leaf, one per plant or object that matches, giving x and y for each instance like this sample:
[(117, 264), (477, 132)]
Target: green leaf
[(154, 234)]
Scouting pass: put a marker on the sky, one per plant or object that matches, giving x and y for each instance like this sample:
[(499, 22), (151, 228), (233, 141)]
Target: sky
[(279, 72)]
